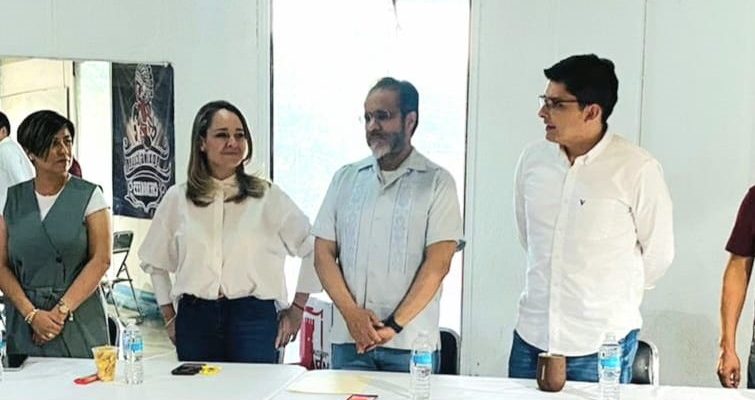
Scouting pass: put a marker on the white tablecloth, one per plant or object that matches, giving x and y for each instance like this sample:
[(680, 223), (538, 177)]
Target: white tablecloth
[(389, 386), (52, 379)]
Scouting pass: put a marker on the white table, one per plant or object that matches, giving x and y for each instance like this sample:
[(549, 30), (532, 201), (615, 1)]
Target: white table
[(389, 386), (52, 379)]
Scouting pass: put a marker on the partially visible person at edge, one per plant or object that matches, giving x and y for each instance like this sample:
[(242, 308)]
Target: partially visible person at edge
[(75, 169), (14, 163), (55, 246), (741, 248), (224, 236)]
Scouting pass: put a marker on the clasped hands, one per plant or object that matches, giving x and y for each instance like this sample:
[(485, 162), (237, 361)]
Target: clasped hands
[(367, 330), (47, 325)]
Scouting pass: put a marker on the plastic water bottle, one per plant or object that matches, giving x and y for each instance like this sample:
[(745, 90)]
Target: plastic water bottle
[(421, 367), (609, 367), (133, 347)]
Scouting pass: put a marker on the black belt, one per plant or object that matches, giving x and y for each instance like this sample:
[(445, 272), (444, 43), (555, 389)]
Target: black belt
[(195, 299)]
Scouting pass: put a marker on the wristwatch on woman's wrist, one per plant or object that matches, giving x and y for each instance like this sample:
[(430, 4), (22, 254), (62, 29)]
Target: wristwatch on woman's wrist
[(65, 310)]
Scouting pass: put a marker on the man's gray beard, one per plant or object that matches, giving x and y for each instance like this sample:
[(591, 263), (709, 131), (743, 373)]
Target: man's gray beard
[(395, 145), (380, 150)]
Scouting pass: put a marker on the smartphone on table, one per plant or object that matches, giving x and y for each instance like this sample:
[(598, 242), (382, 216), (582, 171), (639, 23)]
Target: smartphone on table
[(187, 369)]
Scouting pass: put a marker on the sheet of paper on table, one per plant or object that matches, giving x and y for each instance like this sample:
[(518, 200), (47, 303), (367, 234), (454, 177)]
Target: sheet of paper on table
[(326, 382)]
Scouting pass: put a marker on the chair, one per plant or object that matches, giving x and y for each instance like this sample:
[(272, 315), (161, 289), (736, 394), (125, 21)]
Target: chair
[(646, 369), (449, 352), (113, 330), (121, 249), (2, 310)]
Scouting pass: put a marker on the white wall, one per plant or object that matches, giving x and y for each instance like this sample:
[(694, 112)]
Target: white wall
[(26, 85), (215, 50), (685, 93)]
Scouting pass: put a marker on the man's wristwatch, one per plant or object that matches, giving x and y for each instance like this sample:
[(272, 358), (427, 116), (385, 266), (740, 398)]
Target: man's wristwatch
[(390, 322)]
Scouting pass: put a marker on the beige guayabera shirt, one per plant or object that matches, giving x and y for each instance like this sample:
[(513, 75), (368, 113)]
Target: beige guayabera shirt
[(382, 227)]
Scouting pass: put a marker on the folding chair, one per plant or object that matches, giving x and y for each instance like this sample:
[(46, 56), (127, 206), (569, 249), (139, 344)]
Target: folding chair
[(121, 248), (449, 351), (113, 330), (646, 366)]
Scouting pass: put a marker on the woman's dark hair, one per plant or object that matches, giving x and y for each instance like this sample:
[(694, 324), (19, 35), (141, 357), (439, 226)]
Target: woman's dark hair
[(200, 185), (37, 131)]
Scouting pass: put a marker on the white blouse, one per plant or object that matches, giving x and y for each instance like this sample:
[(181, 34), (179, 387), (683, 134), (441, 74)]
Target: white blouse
[(226, 248)]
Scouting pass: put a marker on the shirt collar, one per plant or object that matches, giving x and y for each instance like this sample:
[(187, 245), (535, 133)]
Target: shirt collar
[(593, 153), (416, 161), (228, 187)]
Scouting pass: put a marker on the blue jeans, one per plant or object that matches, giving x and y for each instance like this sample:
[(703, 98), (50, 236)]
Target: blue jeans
[(344, 356), (238, 330), (523, 361)]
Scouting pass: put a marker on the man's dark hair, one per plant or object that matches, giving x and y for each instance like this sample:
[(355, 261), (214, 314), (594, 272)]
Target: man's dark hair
[(408, 97), (37, 131), (4, 123), (592, 80)]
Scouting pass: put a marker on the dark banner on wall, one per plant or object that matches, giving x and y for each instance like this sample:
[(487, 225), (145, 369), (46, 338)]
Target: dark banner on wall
[(143, 138)]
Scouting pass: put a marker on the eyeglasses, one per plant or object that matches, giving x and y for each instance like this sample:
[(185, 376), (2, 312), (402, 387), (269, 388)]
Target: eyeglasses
[(379, 116), (553, 103)]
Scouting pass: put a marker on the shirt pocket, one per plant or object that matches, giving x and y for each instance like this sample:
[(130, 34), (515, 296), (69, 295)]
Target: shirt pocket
[(601, 218)]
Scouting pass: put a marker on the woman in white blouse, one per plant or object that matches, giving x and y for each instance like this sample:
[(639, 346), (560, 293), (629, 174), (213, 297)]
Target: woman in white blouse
[(224, 236)]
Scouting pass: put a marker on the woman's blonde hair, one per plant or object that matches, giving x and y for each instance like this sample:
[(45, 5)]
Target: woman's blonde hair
[(200, 185)]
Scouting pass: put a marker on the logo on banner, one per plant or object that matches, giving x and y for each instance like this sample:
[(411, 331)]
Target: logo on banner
[(146, 151)]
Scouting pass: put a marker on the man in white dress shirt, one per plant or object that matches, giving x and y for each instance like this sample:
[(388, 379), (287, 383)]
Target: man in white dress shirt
[(594, 216), (15, 166), (385, 236)]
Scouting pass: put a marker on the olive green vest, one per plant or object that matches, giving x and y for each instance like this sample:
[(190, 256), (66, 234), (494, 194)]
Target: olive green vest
[(46, 257)]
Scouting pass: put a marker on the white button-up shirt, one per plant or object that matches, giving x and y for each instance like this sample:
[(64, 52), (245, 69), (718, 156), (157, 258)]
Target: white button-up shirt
[(15, 167), (228, 248), (597, 234), (382, 227)]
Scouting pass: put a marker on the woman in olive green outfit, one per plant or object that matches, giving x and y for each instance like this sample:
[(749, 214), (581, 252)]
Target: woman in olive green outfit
[(55, 243)]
